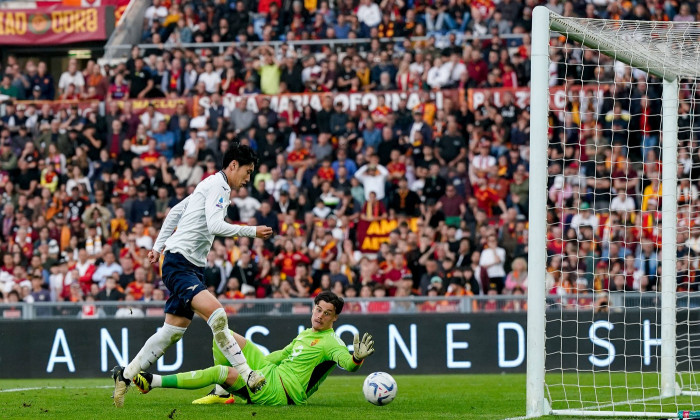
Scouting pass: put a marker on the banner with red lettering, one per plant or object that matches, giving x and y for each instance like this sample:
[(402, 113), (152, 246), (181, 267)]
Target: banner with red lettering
[(163, 105), (350, 101), (558, 97), (521, 96), (52, 27), (119, 5), (370, 235)]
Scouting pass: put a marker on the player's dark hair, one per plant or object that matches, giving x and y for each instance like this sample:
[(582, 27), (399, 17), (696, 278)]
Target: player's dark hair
[(242, 154), (331, 298)]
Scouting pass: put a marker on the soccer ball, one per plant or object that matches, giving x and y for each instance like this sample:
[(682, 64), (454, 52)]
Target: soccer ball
[(380, 388)]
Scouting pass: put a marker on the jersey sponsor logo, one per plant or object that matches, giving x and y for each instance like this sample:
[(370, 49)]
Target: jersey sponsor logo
[(313, 343), (220, 203), (296, 351)]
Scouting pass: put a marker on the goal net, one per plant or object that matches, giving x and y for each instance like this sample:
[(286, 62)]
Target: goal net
[(613, 307)]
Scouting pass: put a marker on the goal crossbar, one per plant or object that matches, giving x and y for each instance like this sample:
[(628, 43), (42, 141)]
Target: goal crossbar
[(661, 58)]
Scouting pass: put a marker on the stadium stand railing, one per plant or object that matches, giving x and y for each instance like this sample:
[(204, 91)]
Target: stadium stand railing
[(121, 51), (269, 306), (370, 306)]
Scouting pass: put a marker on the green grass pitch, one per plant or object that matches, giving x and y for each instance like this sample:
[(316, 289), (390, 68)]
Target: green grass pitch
[(419, 397), (340, 397)]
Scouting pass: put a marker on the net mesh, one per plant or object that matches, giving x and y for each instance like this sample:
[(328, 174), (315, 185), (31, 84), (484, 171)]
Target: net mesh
[(604, 215)]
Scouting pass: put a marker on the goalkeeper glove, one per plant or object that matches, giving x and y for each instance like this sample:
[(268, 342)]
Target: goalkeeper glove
[(364, 347)]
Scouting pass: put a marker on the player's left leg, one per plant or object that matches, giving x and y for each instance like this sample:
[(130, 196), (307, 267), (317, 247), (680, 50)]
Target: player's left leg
[(222, 375), (209, 308), (222, 395), (226, 376)]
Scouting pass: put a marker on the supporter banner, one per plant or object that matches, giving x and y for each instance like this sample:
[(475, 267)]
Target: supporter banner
[(521, 96), (353, 101), (416, 343), (279, 103), (52, 27), (349, 101), (119, 5), (164, 105), (370, 235)]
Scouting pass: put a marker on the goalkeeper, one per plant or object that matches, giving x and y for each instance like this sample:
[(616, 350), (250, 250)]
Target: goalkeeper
[(293, 374)]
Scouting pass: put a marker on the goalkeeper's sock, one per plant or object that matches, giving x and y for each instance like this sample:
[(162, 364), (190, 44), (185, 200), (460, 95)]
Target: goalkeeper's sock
[(220, 391), (154, 348), (157, 381), (195, 379), (218, 322)]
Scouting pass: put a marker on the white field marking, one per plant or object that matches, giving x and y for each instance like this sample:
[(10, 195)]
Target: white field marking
[(593, 408), (613, 404), (39, 388)]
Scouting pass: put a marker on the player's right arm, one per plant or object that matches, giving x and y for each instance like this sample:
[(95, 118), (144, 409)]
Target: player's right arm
[(214, 211), (169, 224)]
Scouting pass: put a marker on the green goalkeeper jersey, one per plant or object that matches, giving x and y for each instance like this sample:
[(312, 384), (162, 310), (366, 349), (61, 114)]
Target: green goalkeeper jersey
[(306, 362)]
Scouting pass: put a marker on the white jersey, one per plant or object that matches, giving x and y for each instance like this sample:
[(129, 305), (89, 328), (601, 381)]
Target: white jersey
[(198, 219)]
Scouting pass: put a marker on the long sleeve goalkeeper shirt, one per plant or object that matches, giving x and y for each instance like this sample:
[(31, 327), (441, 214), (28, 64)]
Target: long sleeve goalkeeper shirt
[(308, 360)]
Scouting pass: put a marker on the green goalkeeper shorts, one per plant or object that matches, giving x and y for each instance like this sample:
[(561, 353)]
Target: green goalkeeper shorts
[(273, 392)]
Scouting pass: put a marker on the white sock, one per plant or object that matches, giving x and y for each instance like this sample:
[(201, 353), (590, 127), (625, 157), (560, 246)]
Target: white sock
[(218, 322), (154, 348), (220, 390), (157, 381)]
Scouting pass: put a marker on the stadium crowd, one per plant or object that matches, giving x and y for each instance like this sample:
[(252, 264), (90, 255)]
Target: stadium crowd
[(84, 192)]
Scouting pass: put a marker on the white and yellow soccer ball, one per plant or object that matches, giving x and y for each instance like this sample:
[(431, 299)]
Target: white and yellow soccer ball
[(380, 388)]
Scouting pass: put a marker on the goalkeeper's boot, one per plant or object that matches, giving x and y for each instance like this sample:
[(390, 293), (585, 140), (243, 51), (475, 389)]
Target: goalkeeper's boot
[(214, 398), (255, 381), (121, 385), (143, 381)]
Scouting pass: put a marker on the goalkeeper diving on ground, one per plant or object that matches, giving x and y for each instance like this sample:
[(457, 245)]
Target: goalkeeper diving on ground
[(293, 374)]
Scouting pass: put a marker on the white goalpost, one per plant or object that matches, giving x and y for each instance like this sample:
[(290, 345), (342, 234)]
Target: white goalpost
[(613, 310)]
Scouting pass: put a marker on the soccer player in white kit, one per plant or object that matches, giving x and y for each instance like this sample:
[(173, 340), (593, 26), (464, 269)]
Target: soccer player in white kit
[(198, 219)]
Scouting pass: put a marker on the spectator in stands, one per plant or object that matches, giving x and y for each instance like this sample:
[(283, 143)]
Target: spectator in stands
[(492, 261), (155, 12), (107, 271), (118, 89), (6, 87), (373, 177), (44, 81), (517, 278), (72, 79), (141, 81)]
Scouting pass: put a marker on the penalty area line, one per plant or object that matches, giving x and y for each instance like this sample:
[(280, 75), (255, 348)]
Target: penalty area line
[(39, 388)]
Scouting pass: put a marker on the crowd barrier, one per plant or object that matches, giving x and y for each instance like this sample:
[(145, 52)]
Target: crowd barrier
[(613, 302), (121, 51)]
